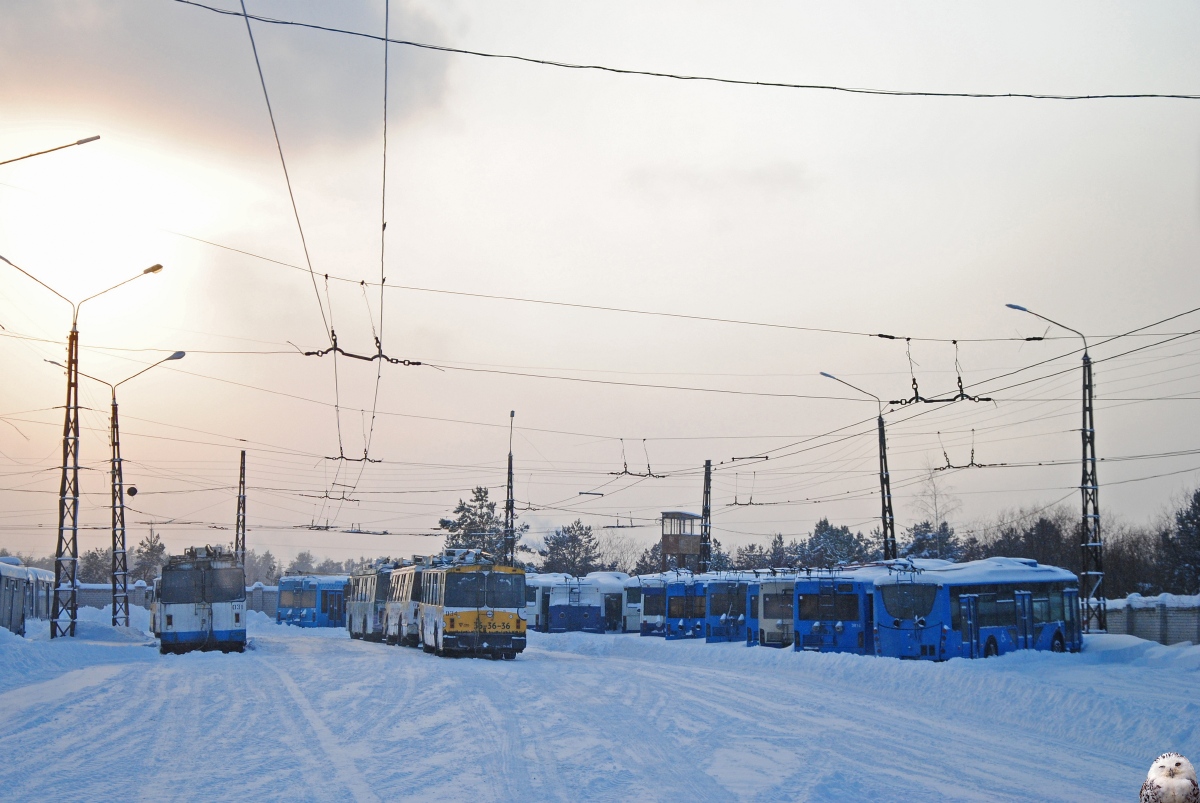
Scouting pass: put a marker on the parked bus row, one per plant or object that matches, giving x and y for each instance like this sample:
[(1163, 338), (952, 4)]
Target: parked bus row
[(25, 593), (919, 609), (460, 602)]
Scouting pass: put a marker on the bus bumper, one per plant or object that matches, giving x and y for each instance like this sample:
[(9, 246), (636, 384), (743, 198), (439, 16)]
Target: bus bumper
[(483, 642)]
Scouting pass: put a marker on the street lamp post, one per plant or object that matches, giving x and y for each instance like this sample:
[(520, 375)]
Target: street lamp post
[(120, 562), (66, 551), (52, 150), (887, 517), (1092, 601)]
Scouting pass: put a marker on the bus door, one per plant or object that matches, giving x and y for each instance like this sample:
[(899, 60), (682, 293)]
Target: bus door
[(335, 607), (1071, 615), (968, 606), (1024, 611)]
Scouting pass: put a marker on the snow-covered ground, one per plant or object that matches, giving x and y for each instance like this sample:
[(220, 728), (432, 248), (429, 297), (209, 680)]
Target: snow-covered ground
[(311, 715)]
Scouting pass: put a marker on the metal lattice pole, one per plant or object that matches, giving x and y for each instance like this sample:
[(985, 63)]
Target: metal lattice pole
[(510, 545), (239, 530), (120, 562), (66, 551), (885, 493), (706, 519), (1095, 608)]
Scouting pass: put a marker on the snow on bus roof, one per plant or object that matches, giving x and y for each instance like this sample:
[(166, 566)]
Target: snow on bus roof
[(608, 582), (27, 572), (976, 572)]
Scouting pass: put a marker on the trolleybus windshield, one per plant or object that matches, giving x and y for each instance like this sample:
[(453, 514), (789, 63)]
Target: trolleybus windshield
[(285, 598), (908, 600), (224, 585), (505, 590), (654, 605), (777, 606), (465, 590), (181, 586)]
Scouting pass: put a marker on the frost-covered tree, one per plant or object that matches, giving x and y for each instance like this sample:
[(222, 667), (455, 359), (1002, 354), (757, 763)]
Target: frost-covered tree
[(148, 558), (95, 566), (719, 560), (262, 568), (476, 526), (751, 556), (329, 566), (571, 550), (303, 563), (923, 540), (829, 545)]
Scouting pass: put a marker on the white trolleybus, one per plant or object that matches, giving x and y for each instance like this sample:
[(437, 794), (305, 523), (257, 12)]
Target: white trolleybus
[(199, 602)]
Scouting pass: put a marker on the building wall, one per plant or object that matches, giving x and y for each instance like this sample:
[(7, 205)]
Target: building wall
[(99, 595), (1161, 623)]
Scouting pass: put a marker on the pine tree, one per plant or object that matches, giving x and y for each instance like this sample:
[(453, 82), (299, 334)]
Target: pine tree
[(1180, 549), (571, 550), (651, 560), (329, 566), (719, 560), (95, 566), (752, 556), (149, 557), (829, 546), (476, 525), (923, 540), (303, 563)]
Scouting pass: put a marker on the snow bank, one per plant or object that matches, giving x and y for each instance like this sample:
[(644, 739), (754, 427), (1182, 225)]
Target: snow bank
[(1169, 600)]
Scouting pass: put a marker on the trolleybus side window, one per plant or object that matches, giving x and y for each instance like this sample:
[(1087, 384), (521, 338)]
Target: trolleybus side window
[(655, 605), (505, 590), (1056, 605), (633, 594), (909, 600)]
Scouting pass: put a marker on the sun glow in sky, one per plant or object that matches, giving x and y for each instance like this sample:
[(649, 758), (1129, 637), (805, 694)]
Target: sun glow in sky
[(909, 216)]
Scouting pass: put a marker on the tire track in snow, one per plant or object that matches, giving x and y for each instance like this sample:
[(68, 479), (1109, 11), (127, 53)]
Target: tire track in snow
[(341, 760)]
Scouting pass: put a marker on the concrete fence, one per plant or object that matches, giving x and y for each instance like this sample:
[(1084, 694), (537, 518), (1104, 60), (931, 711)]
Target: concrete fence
[(1167, 618), (99, 595)]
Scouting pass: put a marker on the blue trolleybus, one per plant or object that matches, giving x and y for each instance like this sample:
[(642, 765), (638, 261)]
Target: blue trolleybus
[(725, 619), (312, 601), (686, 607), (769, 616), (199, 602), (976, 609)]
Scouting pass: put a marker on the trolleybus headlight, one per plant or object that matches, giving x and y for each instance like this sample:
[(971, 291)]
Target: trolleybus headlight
[(839, 627), (921, 622)]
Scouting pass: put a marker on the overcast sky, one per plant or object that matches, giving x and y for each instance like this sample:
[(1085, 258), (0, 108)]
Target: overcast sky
[(911, 216)]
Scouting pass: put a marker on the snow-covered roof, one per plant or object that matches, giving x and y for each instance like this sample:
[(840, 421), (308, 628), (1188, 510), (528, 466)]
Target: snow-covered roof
[(25, 572), (318, 578), (547, 580), (976, 572), (608, 582)]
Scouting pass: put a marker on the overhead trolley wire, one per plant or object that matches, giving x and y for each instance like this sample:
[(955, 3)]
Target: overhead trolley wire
[(702, 78)]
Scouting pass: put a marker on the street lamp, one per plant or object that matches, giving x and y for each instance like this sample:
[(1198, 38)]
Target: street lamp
[(52, 150), (885, 482), (120, 563), (1092, 601), (66, 551)]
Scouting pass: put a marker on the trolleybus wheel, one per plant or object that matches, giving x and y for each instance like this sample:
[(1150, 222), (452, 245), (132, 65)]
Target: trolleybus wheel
[(1058, 645), (991, 649)]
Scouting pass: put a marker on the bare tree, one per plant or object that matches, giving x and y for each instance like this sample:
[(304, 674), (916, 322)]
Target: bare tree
[(619, 550), (934, 500)]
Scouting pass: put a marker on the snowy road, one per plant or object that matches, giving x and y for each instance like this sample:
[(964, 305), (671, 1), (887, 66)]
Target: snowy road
[(312, 715)]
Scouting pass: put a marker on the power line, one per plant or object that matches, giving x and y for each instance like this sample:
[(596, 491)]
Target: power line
[(700, 78)]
